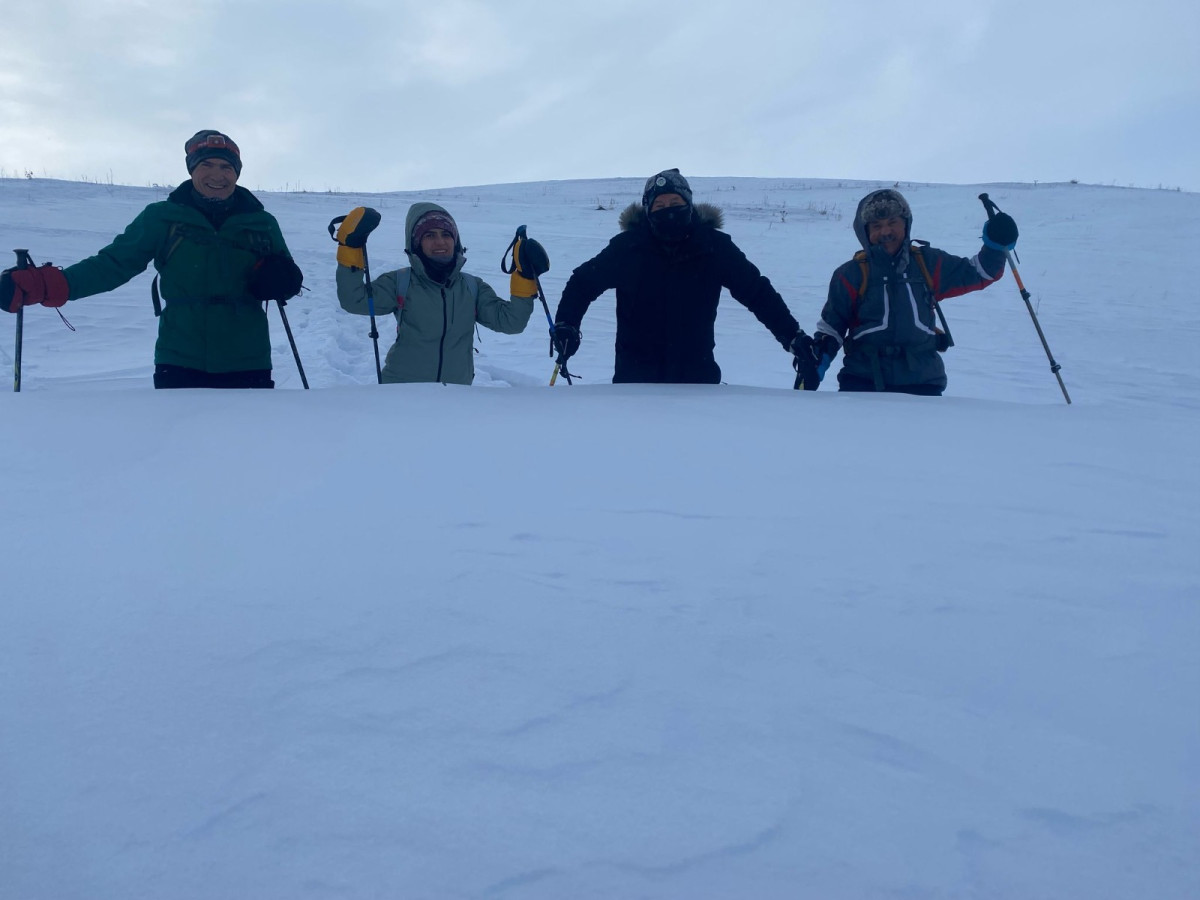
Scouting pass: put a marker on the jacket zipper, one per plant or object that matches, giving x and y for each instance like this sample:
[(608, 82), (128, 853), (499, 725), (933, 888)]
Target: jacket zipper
[(442, 343)]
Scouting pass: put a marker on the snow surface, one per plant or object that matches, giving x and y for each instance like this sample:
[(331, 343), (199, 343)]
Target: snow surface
[(604, 641)]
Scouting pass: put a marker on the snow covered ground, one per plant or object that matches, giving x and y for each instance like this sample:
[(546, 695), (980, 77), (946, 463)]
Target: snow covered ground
[(604, 641)]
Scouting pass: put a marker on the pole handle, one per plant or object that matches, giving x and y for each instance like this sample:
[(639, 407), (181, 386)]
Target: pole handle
[(521, 235), (989, 205)]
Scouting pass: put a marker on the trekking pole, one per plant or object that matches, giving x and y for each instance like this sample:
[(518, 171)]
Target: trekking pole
[(560, 365), (291, 340), (23, 262), (374, 334), (992, 209), (371, 310)]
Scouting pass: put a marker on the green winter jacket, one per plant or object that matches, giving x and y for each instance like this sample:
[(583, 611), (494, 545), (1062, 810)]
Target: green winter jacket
[(210, 321), (435, 323)]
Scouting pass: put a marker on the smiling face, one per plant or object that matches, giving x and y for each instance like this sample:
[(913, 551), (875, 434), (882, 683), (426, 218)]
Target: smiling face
[(214, 178), (887, 233), (437, 243)]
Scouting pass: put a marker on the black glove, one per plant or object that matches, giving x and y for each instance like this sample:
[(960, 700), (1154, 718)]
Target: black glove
[(801, 344), (275, 277), (532, 258), (566, 340), (804, 362), (825, 349), (1000, 232)]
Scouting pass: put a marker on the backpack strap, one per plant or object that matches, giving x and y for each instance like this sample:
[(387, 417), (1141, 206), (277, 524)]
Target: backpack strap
[(403, 279), (944, 339), (915, 250), (865, 268), (174, 239), (177, 233)]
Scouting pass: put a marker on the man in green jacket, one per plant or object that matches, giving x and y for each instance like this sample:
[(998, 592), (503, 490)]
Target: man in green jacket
[(436, 304), (220, 257)]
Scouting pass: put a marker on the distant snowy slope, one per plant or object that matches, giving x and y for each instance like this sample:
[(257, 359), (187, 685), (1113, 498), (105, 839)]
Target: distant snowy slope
[(1108, 269)]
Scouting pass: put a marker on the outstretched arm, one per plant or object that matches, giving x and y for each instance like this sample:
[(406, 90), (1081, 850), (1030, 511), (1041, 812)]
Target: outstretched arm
[(127, 256), (352, 292), (754, 291), (953, 276), (505, 316), (586, 283)]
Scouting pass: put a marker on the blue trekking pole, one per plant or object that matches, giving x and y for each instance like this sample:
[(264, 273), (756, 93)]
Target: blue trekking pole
[(367, 221), (561, 364), (521, 235)]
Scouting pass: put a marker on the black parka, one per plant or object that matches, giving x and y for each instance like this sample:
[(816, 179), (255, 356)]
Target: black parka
[(667, 297)]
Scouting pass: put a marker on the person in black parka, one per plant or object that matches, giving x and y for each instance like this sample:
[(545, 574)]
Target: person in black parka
[(668, 266)]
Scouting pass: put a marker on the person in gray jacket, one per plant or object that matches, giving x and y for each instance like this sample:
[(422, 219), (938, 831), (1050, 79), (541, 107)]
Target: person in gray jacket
[(435, 303), (881, 309)]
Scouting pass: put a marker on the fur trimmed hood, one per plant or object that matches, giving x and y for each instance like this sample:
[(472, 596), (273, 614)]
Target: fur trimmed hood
[(703, 213)]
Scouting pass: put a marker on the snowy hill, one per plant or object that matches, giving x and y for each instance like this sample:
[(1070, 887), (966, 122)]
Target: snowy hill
[(612, 641)]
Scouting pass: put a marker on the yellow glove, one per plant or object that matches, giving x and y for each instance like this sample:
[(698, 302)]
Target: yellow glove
[(352, 236), (529, 258)]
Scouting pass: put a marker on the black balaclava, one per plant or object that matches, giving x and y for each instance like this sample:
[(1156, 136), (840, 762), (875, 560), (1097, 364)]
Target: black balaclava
[(674, 223)]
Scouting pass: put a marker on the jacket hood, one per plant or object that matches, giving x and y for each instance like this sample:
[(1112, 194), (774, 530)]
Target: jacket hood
[(886, 195), (414, 213), (634, 216)]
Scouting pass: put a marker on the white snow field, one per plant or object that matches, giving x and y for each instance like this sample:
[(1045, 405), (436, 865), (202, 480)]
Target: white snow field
[(597, 641)]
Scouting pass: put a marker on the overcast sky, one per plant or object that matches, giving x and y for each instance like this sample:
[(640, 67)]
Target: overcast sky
[(378, 95)]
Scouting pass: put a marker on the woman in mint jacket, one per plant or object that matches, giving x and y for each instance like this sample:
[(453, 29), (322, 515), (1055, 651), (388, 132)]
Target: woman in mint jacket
[(435, 303)]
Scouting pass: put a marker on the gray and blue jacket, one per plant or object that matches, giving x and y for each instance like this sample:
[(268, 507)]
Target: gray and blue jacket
[(889, 332)]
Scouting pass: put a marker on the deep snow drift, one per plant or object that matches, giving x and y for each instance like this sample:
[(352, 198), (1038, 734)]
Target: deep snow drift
[(600, 641)]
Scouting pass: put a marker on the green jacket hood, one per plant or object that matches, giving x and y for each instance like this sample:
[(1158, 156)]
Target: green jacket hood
[(414, 213)]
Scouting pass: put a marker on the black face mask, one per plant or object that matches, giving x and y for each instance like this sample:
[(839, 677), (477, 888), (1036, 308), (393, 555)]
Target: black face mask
[(438, 270), (216, 211), (671, 224)]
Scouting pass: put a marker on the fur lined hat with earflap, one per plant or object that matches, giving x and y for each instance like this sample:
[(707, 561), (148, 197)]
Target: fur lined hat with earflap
[(882, 204)]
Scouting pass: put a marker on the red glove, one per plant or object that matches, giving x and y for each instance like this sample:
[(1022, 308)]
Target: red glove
[(28, 287)]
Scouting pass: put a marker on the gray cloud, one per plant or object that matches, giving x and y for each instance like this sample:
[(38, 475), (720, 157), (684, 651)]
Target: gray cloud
[(370, 95)]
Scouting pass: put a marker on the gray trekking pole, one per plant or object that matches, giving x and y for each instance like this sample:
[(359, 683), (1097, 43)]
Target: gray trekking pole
[(992, 209), (291, 340), (23, 262), (371, 311)]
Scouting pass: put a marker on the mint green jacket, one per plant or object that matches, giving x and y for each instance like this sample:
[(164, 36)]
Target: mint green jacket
[(435, 323)]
